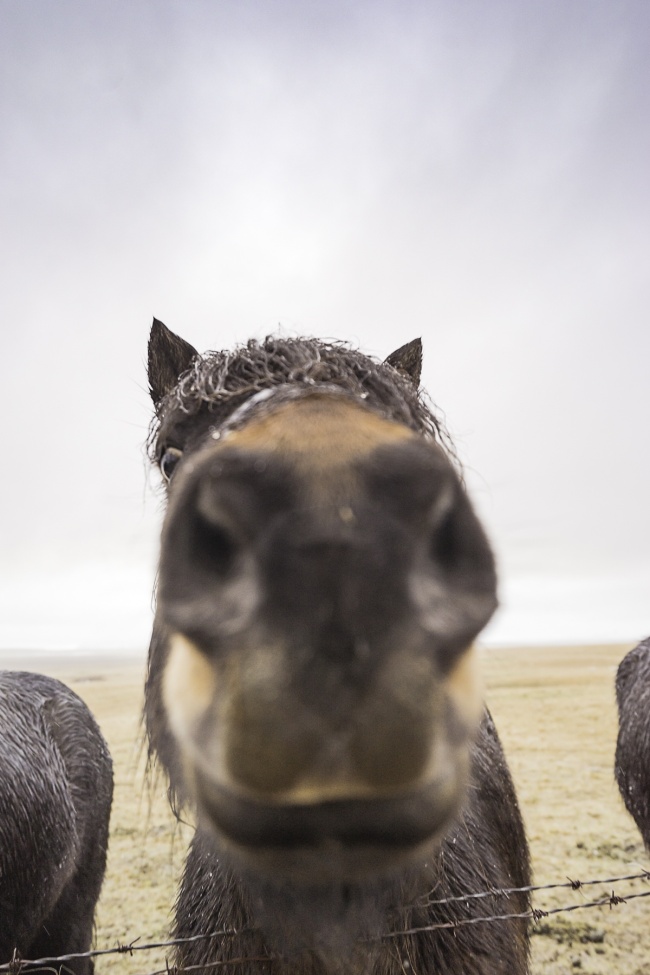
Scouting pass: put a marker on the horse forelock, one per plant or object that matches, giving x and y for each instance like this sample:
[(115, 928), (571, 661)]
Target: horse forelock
[(221, 382)]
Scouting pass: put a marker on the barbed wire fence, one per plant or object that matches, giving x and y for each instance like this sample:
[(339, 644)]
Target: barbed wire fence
[(57, 965)]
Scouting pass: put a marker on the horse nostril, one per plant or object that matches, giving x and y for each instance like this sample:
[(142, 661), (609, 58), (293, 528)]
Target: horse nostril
[(213, 533), (444, 547), (213, 546)]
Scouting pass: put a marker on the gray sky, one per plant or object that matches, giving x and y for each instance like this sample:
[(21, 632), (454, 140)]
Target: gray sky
[(473, 173)]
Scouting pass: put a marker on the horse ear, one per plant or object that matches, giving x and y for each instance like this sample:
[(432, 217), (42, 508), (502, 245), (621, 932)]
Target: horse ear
[(408, 360), (169, 356)]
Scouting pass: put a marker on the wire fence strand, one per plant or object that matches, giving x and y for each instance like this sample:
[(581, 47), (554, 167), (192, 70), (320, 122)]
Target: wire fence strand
[(57, 965), (534, 888)]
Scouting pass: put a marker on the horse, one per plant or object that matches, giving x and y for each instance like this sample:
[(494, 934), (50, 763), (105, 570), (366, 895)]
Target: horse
[(312, 689), (56, 788), (632, 762)]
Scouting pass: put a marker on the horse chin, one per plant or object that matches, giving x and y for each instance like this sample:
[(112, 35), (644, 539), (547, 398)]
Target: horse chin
[(346, 841)]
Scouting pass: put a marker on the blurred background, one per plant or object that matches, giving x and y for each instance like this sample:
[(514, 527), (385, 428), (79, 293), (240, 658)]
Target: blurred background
[(474, 173)]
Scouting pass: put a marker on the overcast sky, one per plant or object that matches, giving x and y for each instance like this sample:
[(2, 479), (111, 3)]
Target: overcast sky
[(475, 173)]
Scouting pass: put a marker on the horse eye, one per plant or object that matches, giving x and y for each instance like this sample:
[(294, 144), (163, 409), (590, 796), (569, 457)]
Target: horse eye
[(168, 462)]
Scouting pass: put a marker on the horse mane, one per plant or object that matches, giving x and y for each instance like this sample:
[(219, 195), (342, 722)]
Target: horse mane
[(222, 381)]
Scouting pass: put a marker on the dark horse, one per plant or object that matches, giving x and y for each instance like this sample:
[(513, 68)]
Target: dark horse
[(56, 787), (312, 690), (633, 747)]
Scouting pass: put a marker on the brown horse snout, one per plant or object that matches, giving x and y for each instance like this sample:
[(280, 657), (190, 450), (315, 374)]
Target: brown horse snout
[(320, 622)]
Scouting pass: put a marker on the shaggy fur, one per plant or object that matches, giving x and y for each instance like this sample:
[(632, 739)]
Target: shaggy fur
[(56, 786), (218, 382), (632, 766)]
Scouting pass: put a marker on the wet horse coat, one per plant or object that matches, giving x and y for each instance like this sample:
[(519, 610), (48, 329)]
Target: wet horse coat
[(56, 786), (312, 687), (632, 766)]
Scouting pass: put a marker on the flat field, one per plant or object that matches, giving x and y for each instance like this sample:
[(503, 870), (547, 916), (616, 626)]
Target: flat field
[(555, 711)]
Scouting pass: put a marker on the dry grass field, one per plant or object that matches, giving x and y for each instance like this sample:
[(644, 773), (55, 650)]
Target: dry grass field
[(556, 714)]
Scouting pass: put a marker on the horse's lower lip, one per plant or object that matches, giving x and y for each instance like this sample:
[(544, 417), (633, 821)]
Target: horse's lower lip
[(363, 835)]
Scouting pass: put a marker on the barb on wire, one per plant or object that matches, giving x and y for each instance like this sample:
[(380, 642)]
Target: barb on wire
[(128, 949), (15, 964)]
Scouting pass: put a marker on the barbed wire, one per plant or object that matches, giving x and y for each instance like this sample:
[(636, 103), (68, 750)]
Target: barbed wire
[(56, 964), (533, 888)]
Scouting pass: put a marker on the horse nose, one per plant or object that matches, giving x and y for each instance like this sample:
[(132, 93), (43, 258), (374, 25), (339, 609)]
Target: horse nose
[(337, 582)]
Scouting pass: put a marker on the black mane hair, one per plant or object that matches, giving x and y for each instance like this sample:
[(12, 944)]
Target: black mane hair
[(221, 381)]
